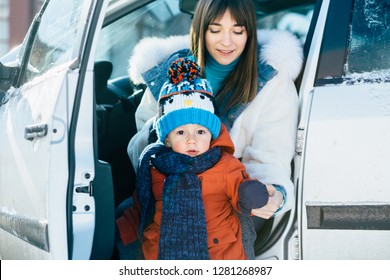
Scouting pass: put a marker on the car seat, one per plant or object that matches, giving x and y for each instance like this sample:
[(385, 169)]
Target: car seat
[(117, 101)]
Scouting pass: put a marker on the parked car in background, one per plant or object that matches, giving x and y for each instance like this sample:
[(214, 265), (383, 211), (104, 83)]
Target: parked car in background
[(66, 117)]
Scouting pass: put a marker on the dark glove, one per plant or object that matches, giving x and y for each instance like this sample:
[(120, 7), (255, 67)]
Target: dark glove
[(252, 194)]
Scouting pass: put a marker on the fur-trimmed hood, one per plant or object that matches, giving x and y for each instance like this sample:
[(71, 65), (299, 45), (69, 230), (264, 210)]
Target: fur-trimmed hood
[(280, 49), (151, 51)]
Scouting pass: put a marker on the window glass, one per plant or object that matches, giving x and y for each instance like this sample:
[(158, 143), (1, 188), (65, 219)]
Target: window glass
[(296, 20), (160, 19), (58, 34), (370, 37)]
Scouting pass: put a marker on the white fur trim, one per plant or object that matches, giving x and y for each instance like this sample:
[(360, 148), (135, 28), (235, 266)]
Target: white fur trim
[(152, 50), (281, 50)]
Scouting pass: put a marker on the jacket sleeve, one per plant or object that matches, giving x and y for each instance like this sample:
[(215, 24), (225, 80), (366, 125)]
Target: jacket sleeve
[(146, 110), (265, 135), (244, 193), (128, 223), (138, 143)]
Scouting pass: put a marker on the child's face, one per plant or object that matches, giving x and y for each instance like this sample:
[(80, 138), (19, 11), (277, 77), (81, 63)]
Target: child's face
[(189, 139)]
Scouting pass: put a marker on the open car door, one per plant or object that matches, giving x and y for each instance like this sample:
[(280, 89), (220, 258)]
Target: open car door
[(47, 155)]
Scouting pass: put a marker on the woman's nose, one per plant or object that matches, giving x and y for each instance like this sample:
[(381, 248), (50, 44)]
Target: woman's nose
[(226, 38)]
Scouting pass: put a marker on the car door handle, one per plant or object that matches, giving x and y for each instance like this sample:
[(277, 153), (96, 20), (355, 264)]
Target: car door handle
[(35, 131)]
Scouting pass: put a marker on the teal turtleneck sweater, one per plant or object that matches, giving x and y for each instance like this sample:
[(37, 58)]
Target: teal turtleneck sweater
[(216, 73)]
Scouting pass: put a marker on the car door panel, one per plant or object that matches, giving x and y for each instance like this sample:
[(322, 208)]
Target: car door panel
[(343, 136), (27, 161), (345, 209), (92, 216), (37, 118)]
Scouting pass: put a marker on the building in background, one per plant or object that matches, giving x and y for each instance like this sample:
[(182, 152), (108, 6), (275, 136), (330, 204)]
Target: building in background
[(4, 32), (15, 19)]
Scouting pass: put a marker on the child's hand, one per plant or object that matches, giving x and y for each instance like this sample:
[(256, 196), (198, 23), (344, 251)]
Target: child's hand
[(275, 199), (252, 194)]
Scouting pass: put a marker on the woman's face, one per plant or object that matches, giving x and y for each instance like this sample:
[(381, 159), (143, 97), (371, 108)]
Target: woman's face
[(225, 39)]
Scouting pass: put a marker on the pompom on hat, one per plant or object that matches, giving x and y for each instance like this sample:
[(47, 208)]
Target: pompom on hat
[(186, 98)]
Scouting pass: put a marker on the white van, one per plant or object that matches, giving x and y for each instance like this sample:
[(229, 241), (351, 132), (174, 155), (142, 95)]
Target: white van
[(67, 114)]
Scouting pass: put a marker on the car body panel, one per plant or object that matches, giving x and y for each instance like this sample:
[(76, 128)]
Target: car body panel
[(342, 151), (346, 174)]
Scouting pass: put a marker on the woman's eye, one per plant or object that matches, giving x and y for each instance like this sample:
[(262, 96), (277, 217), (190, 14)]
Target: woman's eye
[(213, 30), (239, 31)]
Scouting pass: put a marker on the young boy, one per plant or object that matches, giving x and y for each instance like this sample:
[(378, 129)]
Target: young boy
[(189, 184)]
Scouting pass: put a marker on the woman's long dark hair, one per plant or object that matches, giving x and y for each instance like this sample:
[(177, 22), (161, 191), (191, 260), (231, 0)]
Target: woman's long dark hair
[(243, 79)]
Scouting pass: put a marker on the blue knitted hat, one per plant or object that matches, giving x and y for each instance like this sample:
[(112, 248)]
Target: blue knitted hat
[(186, 99)]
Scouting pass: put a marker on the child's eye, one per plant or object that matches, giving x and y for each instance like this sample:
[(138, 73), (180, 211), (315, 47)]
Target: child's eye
[(201, 131), (180, 132)]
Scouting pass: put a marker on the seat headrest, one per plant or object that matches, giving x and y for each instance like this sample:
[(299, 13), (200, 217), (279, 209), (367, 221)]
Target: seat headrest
[(103, 70)]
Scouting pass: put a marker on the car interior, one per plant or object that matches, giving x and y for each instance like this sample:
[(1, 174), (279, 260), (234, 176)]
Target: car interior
[(116, 102)]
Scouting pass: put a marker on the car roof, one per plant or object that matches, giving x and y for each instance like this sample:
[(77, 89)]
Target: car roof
[(119, 8), (263, 7)]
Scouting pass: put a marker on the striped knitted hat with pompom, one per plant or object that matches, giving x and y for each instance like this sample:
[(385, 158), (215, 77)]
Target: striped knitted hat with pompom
[(186, 98)]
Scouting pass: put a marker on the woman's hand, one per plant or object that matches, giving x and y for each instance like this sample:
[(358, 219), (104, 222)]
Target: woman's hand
[(274, 201)]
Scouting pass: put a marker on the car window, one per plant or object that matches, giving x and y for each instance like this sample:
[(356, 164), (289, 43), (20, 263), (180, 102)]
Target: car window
[(57, 36), (370, 37), (295, 20), (160, 19)]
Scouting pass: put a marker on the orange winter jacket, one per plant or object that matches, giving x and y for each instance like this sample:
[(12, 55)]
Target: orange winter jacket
[(220, 198)]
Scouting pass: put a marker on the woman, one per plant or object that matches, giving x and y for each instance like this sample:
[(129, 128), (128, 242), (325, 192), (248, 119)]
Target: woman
[(253, 82)]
